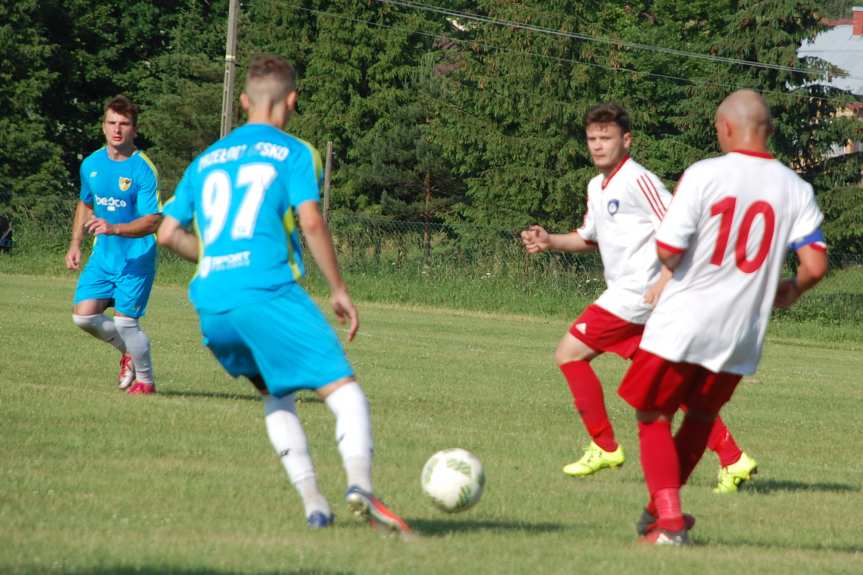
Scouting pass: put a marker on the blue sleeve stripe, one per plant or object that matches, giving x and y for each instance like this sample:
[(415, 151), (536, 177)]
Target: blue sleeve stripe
[(816, 237)]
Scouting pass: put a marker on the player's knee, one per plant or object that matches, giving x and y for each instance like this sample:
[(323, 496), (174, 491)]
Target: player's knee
[(567, 352), (89, 323)]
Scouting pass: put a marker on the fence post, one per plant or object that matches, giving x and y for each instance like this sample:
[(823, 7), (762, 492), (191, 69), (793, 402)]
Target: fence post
[(328, 169)]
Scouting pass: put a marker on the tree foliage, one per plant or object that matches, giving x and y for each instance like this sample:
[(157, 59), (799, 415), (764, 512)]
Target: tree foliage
[(474, 121)]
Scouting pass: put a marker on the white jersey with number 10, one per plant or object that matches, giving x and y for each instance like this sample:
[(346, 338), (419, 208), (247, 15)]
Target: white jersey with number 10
[(734, 218)]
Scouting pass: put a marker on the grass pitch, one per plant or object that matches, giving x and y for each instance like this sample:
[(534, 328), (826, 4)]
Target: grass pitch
[(97, 482)]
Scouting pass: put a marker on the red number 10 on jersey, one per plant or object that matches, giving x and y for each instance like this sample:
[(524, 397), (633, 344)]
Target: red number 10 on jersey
[(725, 209)]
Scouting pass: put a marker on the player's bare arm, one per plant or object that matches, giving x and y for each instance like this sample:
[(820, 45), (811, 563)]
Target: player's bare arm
[(137, 228), (812, 268), (321, 245), (536, 239), (83, 213), (177, 239), (669, 259), (651, 295)]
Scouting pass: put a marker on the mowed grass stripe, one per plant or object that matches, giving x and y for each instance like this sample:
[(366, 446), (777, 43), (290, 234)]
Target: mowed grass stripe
[(186, 482)]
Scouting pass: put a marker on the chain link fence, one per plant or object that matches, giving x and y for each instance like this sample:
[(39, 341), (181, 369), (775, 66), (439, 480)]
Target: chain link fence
[(442, 253), (457, 265)]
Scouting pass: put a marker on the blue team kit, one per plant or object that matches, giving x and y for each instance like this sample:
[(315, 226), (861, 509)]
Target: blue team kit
[(120, 268), (241, 195)]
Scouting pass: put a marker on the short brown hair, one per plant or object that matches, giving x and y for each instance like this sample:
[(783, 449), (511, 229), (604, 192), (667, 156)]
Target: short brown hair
[(122, 105), (272, 67), (608, 113)]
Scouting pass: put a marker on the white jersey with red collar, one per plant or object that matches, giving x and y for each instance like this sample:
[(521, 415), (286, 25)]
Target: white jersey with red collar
[(733, 218), (624, 211)]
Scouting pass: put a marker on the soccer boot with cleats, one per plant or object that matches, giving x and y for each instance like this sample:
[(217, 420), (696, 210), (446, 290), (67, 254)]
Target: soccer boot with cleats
[(139, 388), (365, 505), (320, 520), (658, 536), (127, 372), (595, 459), (736, 474), (647, 523)]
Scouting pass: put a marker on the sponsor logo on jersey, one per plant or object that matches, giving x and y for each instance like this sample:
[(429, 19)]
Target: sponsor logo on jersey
[(210, 264), (125, 184), (111, 203), (581, 327), (613, 206)]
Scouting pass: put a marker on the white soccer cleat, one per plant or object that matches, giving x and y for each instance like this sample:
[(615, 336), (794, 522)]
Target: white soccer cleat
[(127, 372)]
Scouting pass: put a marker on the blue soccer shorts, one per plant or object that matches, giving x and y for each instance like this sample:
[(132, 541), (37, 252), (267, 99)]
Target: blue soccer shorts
[(286, 340), (130, 291)]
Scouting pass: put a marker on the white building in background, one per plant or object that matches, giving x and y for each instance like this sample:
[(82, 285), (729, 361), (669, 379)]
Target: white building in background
[(842, 46)]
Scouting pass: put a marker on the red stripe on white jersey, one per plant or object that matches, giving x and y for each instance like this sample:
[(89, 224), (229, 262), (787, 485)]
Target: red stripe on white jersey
[(656, 194), (670, 248), (650, 199)]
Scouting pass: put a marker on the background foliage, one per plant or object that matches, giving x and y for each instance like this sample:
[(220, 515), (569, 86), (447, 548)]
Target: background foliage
[(432, 118)]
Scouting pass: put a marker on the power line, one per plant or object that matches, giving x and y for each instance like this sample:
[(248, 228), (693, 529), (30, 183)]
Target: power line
[(562, 60), (596, 39)]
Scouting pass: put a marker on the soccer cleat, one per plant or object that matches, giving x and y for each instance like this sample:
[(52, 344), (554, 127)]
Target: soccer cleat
[(319, 520), (659, 536), (127, 371), (364, 504), (595, 459), (139, 388), (734, 475), (647, 523)]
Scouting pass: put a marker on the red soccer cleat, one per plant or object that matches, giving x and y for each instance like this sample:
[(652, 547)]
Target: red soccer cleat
[(139, 388), (364, 504)]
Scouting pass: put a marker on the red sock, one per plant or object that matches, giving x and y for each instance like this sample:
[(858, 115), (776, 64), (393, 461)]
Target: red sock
[(690, 441), (722, 442), (589, 401), (661, 473)]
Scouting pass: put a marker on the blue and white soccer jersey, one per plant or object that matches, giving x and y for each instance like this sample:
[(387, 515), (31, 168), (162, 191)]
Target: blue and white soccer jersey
[(241, 195), (120, 268)]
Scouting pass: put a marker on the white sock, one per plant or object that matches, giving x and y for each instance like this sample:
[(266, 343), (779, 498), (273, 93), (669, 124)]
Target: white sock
[(289, 440), (353, 433), (138, 345), (100, 326)]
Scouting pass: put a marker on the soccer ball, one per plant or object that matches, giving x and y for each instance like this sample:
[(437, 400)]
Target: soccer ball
[(453, 479)]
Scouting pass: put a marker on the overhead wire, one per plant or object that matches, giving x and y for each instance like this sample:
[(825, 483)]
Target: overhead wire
[(560, 59), (606, 41)]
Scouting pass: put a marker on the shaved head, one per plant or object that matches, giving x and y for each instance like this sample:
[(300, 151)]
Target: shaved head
[(270, 94), (269, 79), (743, 121)]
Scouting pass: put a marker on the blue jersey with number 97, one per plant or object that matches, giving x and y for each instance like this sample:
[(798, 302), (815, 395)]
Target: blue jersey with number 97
[(241, 195)]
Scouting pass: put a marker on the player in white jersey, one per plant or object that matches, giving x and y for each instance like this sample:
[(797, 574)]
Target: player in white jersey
[(625, 205), (725, 237)]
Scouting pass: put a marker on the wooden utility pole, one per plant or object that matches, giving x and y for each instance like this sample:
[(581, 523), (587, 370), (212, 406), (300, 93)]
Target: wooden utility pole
[(230, 67), (328, 170)]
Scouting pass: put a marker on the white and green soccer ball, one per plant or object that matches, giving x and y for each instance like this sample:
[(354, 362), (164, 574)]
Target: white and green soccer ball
[(453, 479)]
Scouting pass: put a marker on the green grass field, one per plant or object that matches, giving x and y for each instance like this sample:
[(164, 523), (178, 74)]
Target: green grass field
[(97, 482)]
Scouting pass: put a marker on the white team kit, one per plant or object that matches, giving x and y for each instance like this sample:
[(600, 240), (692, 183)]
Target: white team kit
[(733, 218), (624, 211)]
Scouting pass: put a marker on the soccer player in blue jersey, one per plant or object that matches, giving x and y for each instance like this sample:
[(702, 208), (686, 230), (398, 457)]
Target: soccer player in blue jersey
[(119, 204), (244, 195)]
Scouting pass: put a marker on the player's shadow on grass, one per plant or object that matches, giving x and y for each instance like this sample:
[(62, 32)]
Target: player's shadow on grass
[(779, 485), (209, 394), (441, 527), (303, 398), (168, 570)]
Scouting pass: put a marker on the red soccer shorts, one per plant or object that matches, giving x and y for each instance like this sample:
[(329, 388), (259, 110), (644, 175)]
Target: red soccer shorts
[(656, 384), (603, 331)]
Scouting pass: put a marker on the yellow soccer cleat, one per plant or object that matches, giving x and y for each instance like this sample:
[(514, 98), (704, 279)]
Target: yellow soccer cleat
[(595, 459), (733, 476)]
